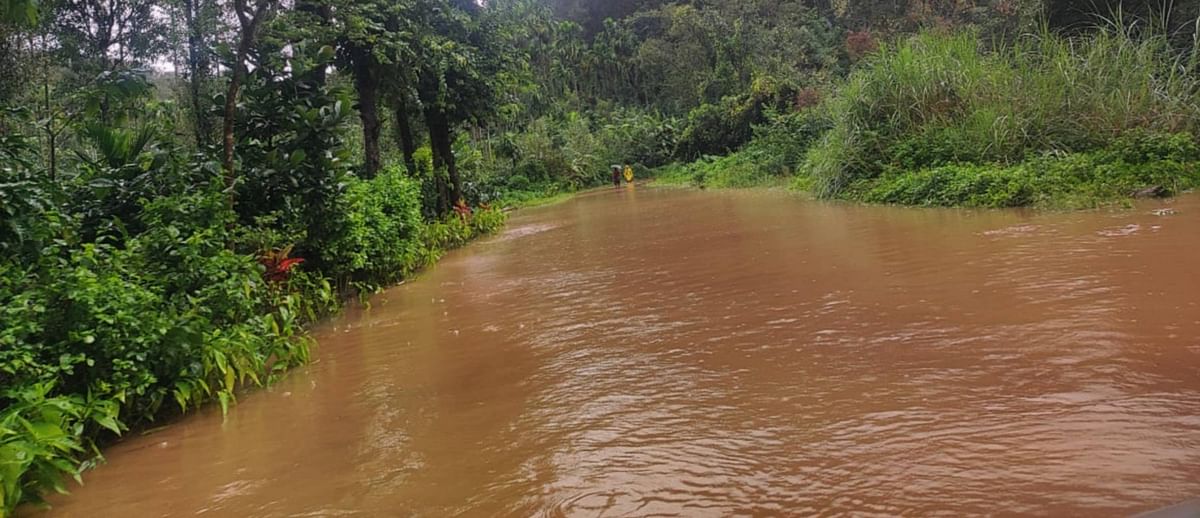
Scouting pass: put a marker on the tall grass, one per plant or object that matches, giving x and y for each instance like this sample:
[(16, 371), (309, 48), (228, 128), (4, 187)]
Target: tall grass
[(939, 98)]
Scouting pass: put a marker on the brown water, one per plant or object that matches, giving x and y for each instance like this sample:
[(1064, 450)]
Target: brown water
[(682, 353)]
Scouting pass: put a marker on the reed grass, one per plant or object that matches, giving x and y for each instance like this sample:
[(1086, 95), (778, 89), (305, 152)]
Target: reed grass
[(940, 98)]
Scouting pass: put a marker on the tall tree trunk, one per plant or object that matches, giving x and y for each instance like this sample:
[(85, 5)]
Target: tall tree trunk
[(404, 134), (367, 84), (440, 140), (51, 135), (235, 86), (249, 22), (198, 67), (439, 181)]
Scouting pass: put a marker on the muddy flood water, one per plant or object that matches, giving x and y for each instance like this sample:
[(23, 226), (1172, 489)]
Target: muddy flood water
[(659, 352)]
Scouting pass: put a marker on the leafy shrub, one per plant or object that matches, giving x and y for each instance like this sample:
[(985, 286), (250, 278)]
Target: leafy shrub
[(722, 128), (291, 148), (98, 337), (379, 238), (518, 182), (40, 435), (781, 143), (455, 231), (956, 185), (778, 149), (740, 169), (636, 136), (1170, 163), (28, 208), (487, 221), (713, 129)]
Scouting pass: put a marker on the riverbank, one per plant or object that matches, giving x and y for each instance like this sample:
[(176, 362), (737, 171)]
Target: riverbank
[(939, 119), (1148, 166)]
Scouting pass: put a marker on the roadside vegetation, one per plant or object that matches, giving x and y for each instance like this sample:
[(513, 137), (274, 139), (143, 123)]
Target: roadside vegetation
[(181, 195), (938, 120), (941, 119)]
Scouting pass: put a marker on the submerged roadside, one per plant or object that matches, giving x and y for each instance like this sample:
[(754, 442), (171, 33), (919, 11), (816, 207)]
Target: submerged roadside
[(190, 313), (101, 339)]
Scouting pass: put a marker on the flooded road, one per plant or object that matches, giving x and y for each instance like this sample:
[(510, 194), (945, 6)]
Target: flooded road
[(680, 353)]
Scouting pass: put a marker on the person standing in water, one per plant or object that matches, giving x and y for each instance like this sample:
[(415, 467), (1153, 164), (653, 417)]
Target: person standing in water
[(616, 175)]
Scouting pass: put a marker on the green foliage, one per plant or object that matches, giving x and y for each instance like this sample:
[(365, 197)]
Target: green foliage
[(637, 137), (19, 12), (777, 150), (939, 99), (28, 216), (781, 144), (379, 239), (1167, 163), (559, 154), (456, 231), (487, 221), (680, 56), (956, 185), (744, 168), (104, 335), (118, 169), (294, 164), (40, 434), (717, 129), (726, 127)]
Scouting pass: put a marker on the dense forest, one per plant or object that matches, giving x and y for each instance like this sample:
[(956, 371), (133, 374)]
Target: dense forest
[(184, 185)]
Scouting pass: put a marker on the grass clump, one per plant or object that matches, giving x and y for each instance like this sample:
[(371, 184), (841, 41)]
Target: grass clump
[(1169, 164), (937, 120)]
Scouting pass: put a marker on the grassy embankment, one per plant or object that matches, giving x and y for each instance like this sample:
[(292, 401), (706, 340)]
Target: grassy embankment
[(937, 120)]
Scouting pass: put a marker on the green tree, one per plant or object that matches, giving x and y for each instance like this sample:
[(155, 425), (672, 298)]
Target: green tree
[(103, 35), (201, 23), (372, 45), (460, 54), (249, 20)]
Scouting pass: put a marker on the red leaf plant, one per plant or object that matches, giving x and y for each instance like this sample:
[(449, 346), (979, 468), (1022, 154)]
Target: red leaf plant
[(463, 210), (278, 264)]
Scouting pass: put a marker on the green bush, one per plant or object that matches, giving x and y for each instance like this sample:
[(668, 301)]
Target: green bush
[(744, 168), (940, 99), (1169, 163), (41, 435), (98, 337), (518, 182), (456, 231), (637, 137), (776, 152), (956, 185), (379, 237), (782, 142), (717, 129), (28, 208)]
